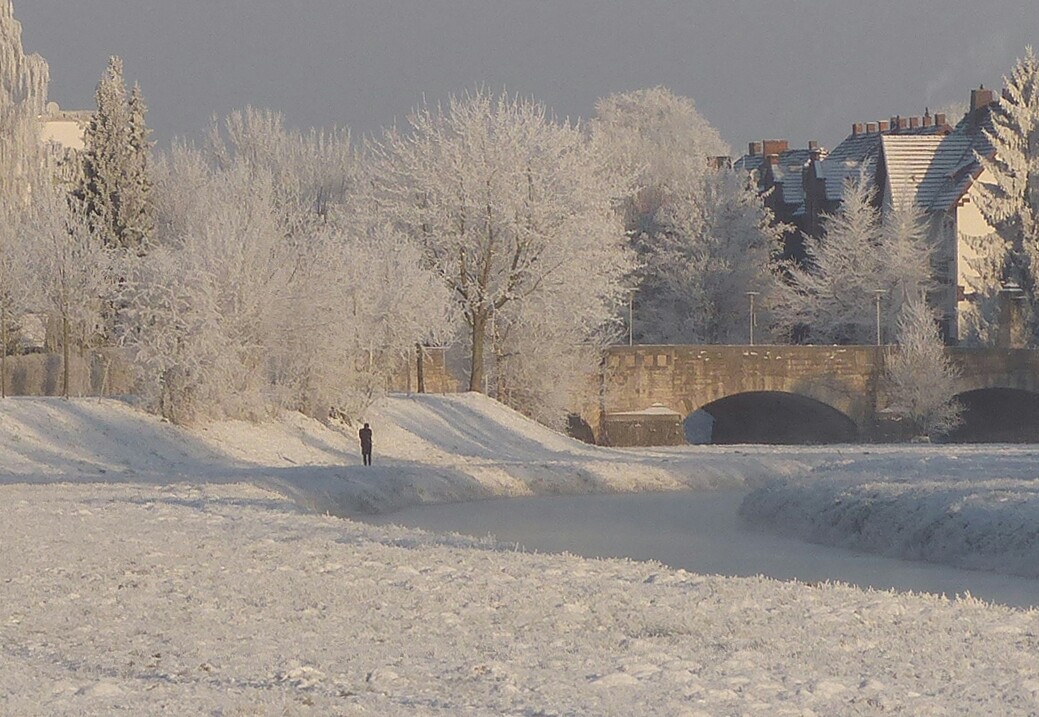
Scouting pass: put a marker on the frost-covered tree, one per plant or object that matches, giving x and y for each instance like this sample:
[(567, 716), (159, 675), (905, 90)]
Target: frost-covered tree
[(832, 298), (514, 210), (72, 269), (23, 94), (921, 382), (703, 235), (710, 250), (660, 140), (1010, 200), (230, 316), (115, 186), (314, 172)]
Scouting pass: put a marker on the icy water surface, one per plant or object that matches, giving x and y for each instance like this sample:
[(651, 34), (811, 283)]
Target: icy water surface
[(700, 532)]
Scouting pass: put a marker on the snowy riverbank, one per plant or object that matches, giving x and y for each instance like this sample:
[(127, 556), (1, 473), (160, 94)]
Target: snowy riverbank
[(150, 569), (956, 511)]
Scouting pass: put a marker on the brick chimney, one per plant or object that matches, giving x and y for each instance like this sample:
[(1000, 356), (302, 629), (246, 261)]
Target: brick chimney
[(858, 128), (981, 98), (883, 125), (754, 149), (928, 120), (871, 128), (914, 122), (903, 123), (775, 146), (939, 119)]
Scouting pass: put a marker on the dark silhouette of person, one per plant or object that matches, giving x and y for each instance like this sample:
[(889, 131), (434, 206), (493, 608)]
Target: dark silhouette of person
[(365, 435)]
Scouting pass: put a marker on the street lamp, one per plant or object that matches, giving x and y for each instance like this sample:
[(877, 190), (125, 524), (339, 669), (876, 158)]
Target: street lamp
[(631, 316), (877, 293), (752, 294)]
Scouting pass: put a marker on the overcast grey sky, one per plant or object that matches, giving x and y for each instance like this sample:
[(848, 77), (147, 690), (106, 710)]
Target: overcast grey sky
[(800, 69)]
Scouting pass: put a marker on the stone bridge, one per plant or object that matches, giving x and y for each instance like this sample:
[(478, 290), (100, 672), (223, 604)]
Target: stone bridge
[(846, 379)]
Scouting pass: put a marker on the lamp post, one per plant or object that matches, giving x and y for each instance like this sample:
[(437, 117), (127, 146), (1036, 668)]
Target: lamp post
[(752, 295), (631, 317), (877, 293)]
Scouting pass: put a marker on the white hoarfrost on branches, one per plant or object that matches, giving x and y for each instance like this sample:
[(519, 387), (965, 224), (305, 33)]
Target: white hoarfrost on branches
[(712, 248), (921, 382), (516, 212), (73, 270), (703, 235), (832, 299), (1009, 190), (233, 315)]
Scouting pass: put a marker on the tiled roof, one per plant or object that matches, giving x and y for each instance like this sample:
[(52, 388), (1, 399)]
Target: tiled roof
[(846, 159)]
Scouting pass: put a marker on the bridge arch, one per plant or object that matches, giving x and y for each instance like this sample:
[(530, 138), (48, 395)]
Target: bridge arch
[(772, 417), (998, 415)]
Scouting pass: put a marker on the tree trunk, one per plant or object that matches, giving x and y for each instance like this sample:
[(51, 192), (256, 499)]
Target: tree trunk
[(3, 356), (65, 356), (476, 373), (420, 371)]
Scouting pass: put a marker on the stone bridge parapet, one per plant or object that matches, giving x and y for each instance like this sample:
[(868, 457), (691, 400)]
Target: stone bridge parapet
[(846, 378)]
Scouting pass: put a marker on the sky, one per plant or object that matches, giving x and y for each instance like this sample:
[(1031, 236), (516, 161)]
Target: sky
[(756, 69)]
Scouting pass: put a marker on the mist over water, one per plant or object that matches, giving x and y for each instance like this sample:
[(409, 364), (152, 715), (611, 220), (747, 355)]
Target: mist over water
[(699, 532)]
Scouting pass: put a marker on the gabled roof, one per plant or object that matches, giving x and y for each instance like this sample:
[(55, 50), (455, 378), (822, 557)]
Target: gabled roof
[(920, 168), (857, 150)]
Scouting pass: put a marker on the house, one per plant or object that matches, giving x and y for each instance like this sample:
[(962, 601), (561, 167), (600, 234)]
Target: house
[(941, 174), (779, 171), (918, 158), (63, 131)]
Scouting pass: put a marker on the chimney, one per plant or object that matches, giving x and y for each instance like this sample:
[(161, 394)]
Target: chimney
[(981, 98), (754, 149), (883, 125), (858, 128), (871, 128), (939, 119), (914, 122), (775, 146), (813, 145), (903, 123)]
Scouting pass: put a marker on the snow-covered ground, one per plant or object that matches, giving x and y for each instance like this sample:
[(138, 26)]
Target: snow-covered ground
[(148, 569)]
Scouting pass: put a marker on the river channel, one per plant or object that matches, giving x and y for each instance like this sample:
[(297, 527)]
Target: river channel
[(700, 532)]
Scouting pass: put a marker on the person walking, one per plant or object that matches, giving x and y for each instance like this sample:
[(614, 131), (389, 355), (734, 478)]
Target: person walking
[(365, 435)]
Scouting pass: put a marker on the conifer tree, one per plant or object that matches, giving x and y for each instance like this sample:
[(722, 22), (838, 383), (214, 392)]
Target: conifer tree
[(115, 187), (921, 381), (1010, 201)]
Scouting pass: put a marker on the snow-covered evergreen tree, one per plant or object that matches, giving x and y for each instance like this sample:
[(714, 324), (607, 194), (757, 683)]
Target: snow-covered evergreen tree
[(115, 187), (921, 382), (832, 299), (516, 212), (1010, 200)]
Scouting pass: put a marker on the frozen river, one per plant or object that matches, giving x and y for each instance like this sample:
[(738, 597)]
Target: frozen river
[(699, 532)]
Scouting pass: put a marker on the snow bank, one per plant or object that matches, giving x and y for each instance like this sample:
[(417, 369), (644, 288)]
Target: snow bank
[(979, 514), (440, 449), (428, 449), (227, 600)]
